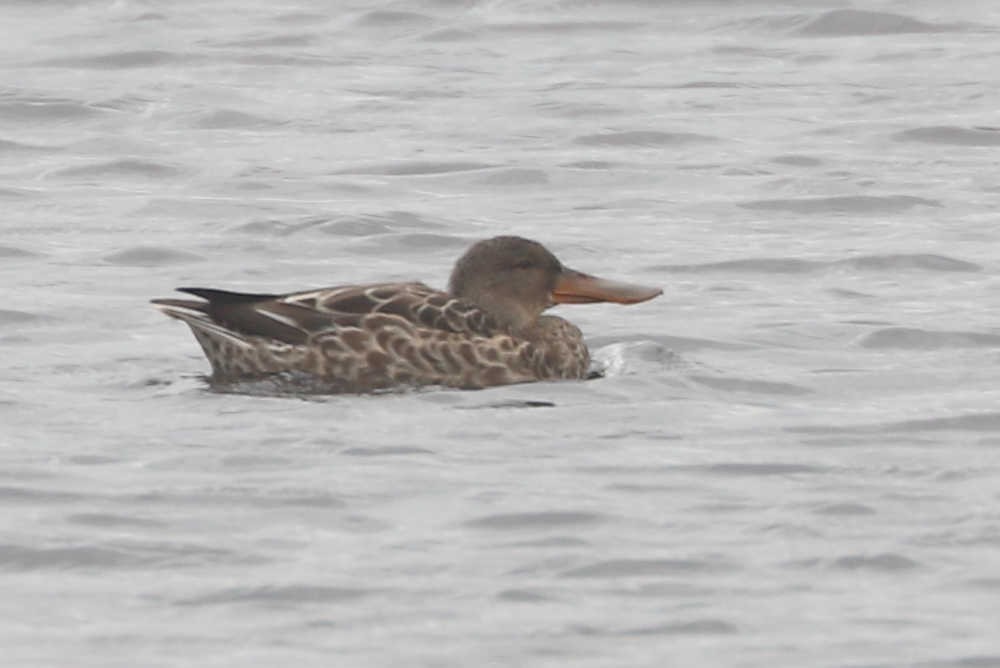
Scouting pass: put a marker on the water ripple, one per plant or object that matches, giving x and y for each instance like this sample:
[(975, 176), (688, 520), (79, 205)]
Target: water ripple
[(123, 555), (757, 468), (151, 256), (28, 109), (540, 520), (975, 422), (750, 385), (888, 562), (696, 627), (850, 204), (620, 568), (12, 252), (279, 594), (951, 135), (8, 147), (386, 451), (910, 338), (121, 168), (889, 262), (642, 138), (12, 317), (418, 168), (230, 119), (853, 22), (120, 60)]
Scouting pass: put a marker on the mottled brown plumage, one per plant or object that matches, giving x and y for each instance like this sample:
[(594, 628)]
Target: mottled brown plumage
[(488, 329)]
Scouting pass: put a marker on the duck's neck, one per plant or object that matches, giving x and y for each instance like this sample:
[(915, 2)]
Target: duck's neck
[(550, 328), (510, 316)]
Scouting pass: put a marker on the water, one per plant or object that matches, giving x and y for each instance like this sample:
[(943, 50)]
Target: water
[(793, 458)]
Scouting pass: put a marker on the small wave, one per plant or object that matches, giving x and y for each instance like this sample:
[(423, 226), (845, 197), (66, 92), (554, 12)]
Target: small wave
[(575, 109), (853, 204), (984, 422), (151, 256), (120, 60), (974, 422), (298, 39), (951, 135), (356, 225), (279, 60), (18, 193), (16, 557), (12, 252), (111, 520), (887, 561), (515, 178), (302, 18), (642, 138), (751, 385), (709, 84), (634, 203), (619, 568), (408, 243), (298, 498), (387, 451), (758, 468), (418, 168), (383, 18), (225, 119), (46, 110), (279, 594), (845, 509), (130, 554), (751, 51), (449, 35), (540, 520), (892, 262), (123, 168), (909, 338), (922, 261), (562, 28), (776, 265), (131, 103), (8, 147), (350, 227), (797, 160), (963, 661), (523, 596), (697, 627), (853, 22), (11, 317), (591, 164), (11, 495)]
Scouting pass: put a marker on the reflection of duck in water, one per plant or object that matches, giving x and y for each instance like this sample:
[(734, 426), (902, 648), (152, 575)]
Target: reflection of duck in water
[(488, 329)]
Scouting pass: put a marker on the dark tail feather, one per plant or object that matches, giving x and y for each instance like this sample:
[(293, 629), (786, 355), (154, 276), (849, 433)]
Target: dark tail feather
[(201, 307), (248, 314), (222, 297)]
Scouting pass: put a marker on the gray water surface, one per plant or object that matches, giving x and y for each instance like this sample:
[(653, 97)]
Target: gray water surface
[(793, 458)]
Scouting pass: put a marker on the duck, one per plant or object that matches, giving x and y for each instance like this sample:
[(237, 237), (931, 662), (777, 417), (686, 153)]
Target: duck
[(487, 329)]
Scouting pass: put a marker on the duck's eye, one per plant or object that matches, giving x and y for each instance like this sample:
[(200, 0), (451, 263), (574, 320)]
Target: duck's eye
[(523, 264)]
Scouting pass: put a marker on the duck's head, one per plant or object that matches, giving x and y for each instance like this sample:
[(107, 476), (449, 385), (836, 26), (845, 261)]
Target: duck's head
[(515, 279)]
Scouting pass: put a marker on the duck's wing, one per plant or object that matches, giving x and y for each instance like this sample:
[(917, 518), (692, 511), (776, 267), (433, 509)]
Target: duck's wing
[(295, 318), (415, 303)]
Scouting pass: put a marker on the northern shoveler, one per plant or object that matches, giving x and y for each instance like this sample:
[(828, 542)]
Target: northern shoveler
[(487, 329)]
